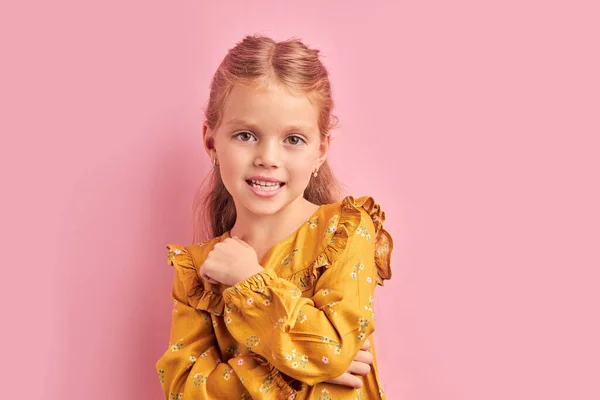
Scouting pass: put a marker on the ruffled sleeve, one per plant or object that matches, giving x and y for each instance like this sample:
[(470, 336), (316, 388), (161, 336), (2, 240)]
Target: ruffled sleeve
[(201, 295), (315, 339), (192, 366)]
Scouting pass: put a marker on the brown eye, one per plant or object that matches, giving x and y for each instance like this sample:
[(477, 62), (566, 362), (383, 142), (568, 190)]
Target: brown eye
[(298, 140), (244, 135)]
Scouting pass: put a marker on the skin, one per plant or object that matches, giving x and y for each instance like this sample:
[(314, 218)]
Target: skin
[(271, 132)]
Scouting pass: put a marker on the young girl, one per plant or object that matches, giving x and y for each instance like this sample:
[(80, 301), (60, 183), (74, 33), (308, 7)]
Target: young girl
[(279, 303)]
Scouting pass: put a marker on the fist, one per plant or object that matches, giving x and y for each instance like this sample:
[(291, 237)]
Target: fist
[(230, 262)]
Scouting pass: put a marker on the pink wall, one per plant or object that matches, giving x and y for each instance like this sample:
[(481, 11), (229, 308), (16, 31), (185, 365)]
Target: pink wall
[(475, 127)]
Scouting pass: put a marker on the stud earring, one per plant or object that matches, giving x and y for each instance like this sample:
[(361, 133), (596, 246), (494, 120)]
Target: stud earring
[(215, 165), (315, 173)]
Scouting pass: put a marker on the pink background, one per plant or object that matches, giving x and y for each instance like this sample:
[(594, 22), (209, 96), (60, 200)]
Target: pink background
[(474, 125)]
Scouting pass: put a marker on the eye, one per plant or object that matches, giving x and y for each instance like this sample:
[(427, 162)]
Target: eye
[(296, 142), (243, 136)]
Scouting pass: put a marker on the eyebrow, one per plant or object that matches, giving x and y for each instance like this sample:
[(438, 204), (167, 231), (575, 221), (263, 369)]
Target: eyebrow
[(241, 121)]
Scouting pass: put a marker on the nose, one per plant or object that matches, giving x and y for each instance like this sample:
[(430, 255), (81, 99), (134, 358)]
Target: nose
[(267, 154)]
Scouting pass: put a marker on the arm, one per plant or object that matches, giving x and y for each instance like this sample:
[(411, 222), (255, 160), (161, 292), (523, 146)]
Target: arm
[(191, 366), (310, 339)]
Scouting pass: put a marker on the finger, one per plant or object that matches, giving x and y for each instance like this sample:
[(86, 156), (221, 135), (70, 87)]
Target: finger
[(364, 357), (206, 277), (359, 368), (347, 379), (366, 345)]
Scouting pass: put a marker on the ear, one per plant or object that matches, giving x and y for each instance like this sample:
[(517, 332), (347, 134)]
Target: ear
[(208, 139), (323, 150)]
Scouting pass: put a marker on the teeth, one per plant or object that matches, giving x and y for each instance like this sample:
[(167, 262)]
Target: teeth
[(268, 186), (265, 184)]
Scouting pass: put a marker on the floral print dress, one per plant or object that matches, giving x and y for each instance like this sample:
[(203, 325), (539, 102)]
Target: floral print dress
[(282, 332)]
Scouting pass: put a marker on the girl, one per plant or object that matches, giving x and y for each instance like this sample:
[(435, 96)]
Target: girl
[(279, 303)]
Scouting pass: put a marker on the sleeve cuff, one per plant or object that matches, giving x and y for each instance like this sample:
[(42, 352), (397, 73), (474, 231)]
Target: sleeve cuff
[(253, 283)]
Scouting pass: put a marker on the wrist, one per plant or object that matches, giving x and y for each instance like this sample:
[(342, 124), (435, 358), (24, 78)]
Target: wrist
[(251, 272), (258, 268)]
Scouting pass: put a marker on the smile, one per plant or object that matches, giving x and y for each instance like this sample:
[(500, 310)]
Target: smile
[(264, 185), (264, 189)]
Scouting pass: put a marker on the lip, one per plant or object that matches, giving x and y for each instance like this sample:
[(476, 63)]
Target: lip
[(263, 179)]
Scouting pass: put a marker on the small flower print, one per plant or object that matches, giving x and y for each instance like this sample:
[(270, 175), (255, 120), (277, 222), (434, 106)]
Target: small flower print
[(241, 361), (369, 279), (177, 347), (332, 224), (279, 322), (329, 309), (199, 378), (298, 360), (232, 350), (325, 360), (359, 395), (205, 354), (301, 317), (226, 373), (313, 222), (324, 395), (337, 348), (266, 385), (356, 269), (364, 232), (252, 341), (363, 324), (250, 301), (288, 259)]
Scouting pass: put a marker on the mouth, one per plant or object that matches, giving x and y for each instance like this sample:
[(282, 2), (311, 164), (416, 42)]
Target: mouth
[(263, 185)]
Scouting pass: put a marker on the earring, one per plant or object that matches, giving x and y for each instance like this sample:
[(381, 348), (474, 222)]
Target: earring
[(215, 165), (315, 173)]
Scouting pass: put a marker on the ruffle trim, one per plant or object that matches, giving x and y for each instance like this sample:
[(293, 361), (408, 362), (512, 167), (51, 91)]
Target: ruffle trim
[(285, 392), (384, 243), (349, 221), (199, 297), (209, 297)]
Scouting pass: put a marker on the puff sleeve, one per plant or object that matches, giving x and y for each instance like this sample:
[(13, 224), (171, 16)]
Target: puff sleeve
[(315, 339), (191, 367)]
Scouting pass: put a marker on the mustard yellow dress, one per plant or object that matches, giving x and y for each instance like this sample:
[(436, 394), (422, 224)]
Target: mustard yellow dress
[(282, 332)]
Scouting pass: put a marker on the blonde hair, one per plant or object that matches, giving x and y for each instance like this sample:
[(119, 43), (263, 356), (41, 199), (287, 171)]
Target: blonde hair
[(258, 60)]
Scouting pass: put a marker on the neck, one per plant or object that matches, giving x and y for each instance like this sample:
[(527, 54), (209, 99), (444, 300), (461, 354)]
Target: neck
[(264, 230)]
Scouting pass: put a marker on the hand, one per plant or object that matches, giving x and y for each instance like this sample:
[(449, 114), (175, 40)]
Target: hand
[(360, 366), (230, 262)]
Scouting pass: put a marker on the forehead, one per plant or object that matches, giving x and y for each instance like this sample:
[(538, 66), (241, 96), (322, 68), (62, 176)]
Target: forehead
[(269, 106)]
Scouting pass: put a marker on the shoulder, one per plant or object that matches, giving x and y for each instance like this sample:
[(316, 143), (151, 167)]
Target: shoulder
[(358, 210), (363, 216)]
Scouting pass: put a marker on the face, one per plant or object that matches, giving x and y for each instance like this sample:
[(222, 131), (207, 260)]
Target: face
[(266, 133)]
